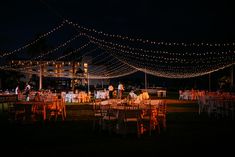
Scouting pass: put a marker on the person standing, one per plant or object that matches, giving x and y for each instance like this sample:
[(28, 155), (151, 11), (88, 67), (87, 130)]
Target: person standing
[(27, 90), (110, 88), (120, 90), (17, 90)]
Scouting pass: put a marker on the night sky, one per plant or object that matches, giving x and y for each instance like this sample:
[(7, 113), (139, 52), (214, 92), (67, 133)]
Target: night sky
[(180, 21)]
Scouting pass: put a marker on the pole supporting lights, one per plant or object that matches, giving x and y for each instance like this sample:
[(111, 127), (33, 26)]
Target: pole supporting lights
[(87, 76)]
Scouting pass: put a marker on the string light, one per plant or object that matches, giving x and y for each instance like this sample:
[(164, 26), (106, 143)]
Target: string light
[(183, 59), (119, 58), (52, 61), (164, 70), (171, 70), (35, 41), (115, 71), (57, 48), (144, 41), (161, 53)]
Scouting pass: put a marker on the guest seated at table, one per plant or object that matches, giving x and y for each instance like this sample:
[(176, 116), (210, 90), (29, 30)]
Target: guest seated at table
[(106, 94), (145, 95), (115, 94), (110, 88), (7, 91), (120, 90), (132, 95), (37, 96)]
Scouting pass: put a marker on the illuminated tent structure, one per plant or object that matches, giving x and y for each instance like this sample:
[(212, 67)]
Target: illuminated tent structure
[(115, 55)]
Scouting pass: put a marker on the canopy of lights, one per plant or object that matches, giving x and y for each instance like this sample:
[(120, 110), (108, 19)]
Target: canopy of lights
[(111, 56)]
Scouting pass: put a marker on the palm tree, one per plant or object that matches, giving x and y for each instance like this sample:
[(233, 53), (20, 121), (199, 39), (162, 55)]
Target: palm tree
[(224, 83)]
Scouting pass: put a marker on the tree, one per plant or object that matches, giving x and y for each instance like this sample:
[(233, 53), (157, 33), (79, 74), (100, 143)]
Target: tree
[(224, 83)]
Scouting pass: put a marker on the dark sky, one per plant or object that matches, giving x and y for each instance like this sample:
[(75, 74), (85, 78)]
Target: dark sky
[(166, 20)]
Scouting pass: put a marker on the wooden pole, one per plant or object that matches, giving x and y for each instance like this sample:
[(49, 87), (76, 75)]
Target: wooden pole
[(145, 79), (209, 82), (73, 74), (88, 83), (232, 76), (40, 77)]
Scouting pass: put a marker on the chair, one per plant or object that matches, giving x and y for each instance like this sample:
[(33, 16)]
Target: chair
[(212, 109), (19, 111), (228, 109), (21, 97), (201, 104), (161, 114), (97, 114), (52, 106), (149, 119), (38, 110), (132, 115), (61, 109), (110, 118), (11, 111)]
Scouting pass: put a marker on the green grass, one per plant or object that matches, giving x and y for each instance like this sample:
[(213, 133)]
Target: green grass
[(187, 134)]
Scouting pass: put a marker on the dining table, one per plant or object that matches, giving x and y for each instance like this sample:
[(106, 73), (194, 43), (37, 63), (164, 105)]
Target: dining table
[(29, 104)]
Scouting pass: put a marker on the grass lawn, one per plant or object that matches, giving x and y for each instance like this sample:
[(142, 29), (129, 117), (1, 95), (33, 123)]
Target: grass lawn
[(187, 134)]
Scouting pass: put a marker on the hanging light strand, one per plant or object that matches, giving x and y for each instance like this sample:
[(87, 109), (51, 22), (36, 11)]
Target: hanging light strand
[(33, 42), (144, 41)]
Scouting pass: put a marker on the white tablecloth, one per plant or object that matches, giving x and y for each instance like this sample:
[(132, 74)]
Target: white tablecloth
[(80, 97), (102, 95)]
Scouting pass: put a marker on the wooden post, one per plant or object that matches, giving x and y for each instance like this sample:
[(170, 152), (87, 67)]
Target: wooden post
[(232, 76), (145, 79), (88, 83), (40, 77), (209, 82), (73, 74)]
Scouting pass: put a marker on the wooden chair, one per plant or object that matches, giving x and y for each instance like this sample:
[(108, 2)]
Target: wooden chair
[(97, 114), (19, 111), (149, 121), (61, 109), (52, 106), (161, 115), (132, 116), (21, 97), (110, 118)]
